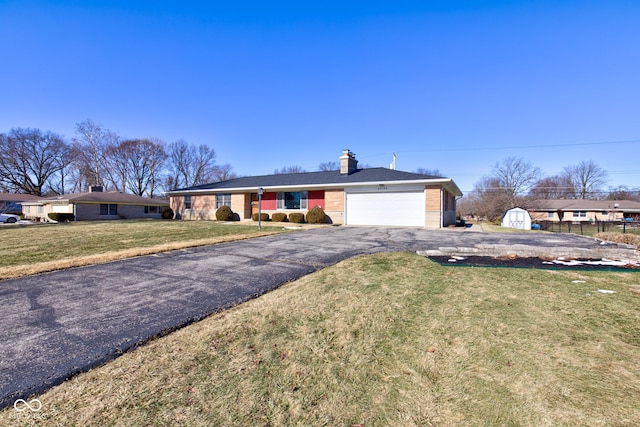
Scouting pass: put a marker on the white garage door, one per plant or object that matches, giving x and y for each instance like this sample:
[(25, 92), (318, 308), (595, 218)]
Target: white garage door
[(404, 208)]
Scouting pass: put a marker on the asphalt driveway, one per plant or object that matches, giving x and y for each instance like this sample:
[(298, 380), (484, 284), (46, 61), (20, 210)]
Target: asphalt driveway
[(62, 323)]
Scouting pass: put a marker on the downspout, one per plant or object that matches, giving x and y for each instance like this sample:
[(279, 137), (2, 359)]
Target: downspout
[(456, 198), (344, 207), (441, 207)]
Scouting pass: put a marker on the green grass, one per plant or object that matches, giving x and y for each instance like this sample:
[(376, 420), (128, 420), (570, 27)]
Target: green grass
[(387, 339)]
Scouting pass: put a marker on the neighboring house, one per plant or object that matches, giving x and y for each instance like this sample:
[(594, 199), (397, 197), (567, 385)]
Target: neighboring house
[(517, 218), (11, 203), (375, 196), (95, 205), (585, 210)]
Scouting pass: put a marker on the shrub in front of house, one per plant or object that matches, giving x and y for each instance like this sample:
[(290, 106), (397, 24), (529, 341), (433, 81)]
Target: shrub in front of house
[(279, 217), (60, 217), (263, 217), (316, 216), (296, 217), (167, 213), (224, 213)]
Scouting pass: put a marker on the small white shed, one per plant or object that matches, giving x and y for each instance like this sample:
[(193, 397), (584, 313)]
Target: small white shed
[(517, 218)]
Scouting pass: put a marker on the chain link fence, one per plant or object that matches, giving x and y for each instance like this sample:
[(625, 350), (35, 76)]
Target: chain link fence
[(590, 228)]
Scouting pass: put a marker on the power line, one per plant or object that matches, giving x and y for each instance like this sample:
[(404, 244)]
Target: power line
[(526, 146)]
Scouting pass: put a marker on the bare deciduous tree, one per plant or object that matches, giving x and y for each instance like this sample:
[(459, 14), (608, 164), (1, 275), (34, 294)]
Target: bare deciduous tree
[(91, 146), (329, 166), (137, 163), (223, 172), (289, 169), (622, 192), (504, 188), (487, 200), (63, 180), (553, 187), (515, 176), (189, 165), (427, 171), (586, 178), (29, 158)]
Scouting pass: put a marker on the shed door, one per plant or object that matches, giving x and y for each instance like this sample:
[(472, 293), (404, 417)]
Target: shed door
[(406, 208)]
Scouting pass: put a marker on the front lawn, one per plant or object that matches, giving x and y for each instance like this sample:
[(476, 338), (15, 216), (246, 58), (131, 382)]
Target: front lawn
[(386, 339), (44, 247)]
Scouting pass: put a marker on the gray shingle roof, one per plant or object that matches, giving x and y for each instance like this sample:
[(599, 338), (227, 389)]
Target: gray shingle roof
[(585, 205), (105, 197), (15, 197), (370, 175)]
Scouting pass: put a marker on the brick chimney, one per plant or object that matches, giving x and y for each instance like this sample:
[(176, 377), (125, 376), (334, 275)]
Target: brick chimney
[(348, 162)]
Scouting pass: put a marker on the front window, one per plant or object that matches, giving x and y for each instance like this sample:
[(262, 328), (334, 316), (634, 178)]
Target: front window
[(550, 215), (292, 200), (187, 201), (108, 209), (223, 199), (579, 214), (151, 209)]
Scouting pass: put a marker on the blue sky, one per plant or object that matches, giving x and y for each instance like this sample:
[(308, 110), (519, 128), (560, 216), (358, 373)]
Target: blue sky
[(448, 85)]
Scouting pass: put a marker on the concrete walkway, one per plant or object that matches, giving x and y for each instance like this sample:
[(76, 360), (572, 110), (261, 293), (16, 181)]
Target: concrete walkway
[(65, 322)]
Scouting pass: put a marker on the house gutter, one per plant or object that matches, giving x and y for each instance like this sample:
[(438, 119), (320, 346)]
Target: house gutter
[(449, 185)]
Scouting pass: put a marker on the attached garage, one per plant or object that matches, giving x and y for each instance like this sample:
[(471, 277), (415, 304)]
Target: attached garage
[(350, 196), (386, 207)]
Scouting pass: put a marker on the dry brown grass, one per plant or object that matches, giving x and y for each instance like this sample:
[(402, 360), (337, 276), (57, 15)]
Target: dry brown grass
[(79, 261), (388, 339), (40, 248), (626, 238)]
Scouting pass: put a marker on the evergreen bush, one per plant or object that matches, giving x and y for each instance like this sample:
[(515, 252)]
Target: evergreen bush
[(167, 213), (60, 217), (316, 216), (224, 213), (279, 217), (296, 217), (263, 217)]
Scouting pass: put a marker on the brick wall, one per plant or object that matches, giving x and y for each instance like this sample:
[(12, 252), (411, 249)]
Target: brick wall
[(241, 204), (334, 205), (432, 206)]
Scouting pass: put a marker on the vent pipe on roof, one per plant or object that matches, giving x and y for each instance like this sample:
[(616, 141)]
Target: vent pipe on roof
[(392, 166)]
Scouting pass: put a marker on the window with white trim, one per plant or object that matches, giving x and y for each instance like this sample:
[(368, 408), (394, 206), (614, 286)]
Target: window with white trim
[(292, 200), (579, 214), (550, 215), (108, 209), (187, 201), (223, 199)]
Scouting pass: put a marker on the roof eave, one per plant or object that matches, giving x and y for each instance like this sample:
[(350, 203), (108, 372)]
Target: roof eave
[(446, 182)]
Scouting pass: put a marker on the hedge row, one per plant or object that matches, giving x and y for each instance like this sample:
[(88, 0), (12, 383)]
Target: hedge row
[(315, 216), (60, 217)]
